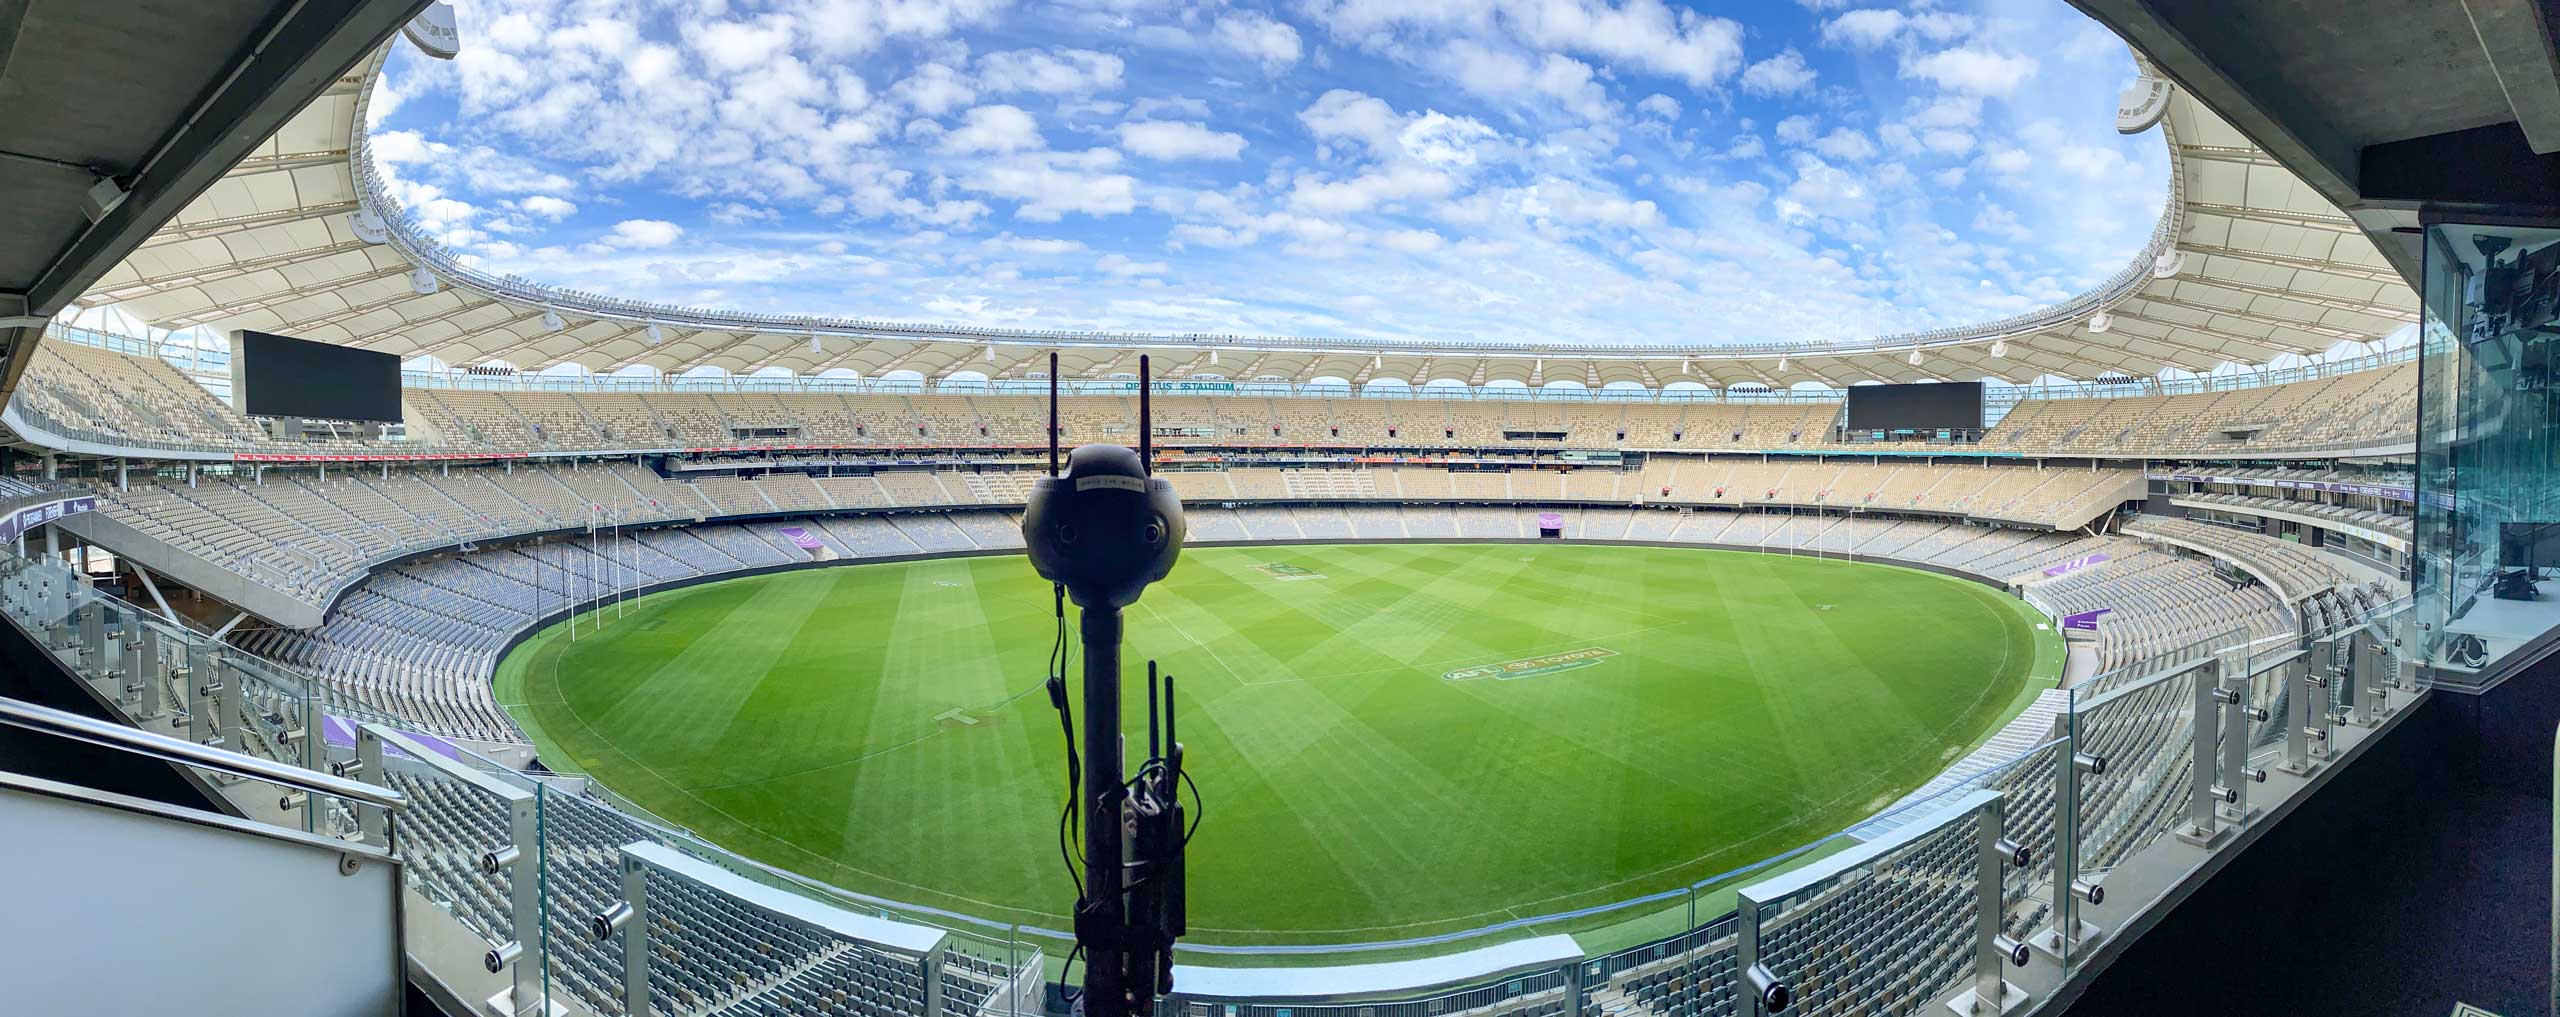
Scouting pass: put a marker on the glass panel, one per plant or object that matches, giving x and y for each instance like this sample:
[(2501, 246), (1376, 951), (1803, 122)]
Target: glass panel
[(2488, 510), (1886, 935), (2144, 729)]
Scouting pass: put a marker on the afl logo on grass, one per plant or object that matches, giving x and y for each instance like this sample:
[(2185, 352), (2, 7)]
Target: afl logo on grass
[(1532, 667)]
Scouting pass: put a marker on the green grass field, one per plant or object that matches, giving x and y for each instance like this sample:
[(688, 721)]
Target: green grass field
[(1367, 776)]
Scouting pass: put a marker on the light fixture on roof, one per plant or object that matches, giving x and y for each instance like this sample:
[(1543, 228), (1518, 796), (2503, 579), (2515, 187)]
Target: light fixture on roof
[(1684, 365), (2168, 263), (368, 226), (2100, 322), (991, 353), (657, 333), (551, 321), (1914, 358), (422, 282), (2000, 347), (814, 346), (1213, 358), (433, 31), (1782, 365), (102, 198)]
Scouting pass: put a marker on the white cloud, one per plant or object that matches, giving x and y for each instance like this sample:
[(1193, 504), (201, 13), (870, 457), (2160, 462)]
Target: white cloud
[(1516, 77), (1660, 105), (1166, 141), (547, 207), (997, 128), (1411, 241), (850, 27), (1846, 144), (733, 46), (1863, 29), (1050, 72), (1049, 186), (1345, 114), (1971, 70), (1783, 74), (1798, 129), (734, 212), (1273, 44), (934, 89), (1120, 264), (643, 233), (1403, 182), (1032, 245)]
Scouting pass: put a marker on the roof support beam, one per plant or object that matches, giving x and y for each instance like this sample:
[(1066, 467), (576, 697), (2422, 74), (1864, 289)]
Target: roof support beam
[(267, 300), (2517, 36), (216, 273), (465, 306), (2363, 272), (2313, 220), (225, 227), (257, 164)]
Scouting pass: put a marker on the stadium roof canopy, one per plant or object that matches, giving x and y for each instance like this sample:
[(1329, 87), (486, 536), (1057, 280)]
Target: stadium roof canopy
[(2389, 109), (113, 116), (2247, 264)]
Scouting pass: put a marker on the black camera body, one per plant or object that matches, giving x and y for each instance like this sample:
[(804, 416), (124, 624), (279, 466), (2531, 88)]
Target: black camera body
[(1104, 529)]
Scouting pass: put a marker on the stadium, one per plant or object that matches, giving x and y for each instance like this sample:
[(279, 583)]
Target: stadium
[(390, 633)]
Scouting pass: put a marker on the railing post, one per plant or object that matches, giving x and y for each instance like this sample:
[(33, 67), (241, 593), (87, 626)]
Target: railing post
[(1758, 986), (523, 861), (2069, 931), (1991, 994), (2306, 716), (374, 825), (2204, 790), (635, 938), (2369, 701), (2237, 715), (148, 669)]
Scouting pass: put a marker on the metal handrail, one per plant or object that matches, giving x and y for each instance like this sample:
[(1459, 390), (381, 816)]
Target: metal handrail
[(47, 720)]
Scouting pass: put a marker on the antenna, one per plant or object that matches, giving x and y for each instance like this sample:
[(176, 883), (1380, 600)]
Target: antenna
[(1053, 413), (1155, 745), (1146, 418)]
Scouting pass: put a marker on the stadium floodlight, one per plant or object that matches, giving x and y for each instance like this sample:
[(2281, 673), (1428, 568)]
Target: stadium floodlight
[(1101, 532), (2100, 322), (551, 321), (2000, 348)]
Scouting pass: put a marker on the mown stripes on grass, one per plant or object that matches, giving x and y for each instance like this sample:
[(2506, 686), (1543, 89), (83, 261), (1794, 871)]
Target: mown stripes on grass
[(869, 725)]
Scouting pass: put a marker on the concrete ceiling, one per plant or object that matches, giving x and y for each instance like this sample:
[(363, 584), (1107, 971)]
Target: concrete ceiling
[(158, 97)]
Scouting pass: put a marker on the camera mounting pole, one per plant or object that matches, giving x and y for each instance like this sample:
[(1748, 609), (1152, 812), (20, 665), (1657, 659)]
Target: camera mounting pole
[(1103, 530)]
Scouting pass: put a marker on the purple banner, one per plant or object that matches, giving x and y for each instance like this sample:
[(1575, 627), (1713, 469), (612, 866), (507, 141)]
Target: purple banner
[(2086, 621), (1551, 520), (341, 733), (33, 516), (2076, 564), (801, 537)]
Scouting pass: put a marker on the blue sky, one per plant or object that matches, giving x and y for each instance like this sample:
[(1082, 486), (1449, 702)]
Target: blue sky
[(1521, 170)]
